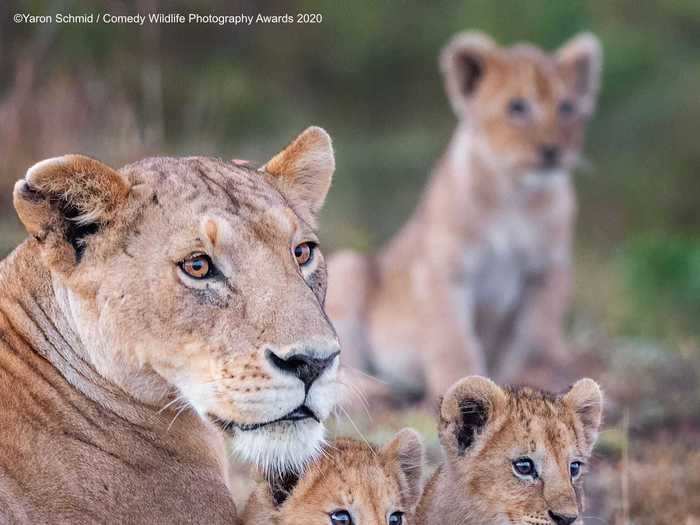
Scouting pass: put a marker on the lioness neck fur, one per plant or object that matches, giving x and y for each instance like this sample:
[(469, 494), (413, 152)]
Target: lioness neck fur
[(480, 274), (154, 309)]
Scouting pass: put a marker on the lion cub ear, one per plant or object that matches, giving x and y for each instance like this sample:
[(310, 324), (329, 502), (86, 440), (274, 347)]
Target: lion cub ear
[(62, 200), (582, 60), (406, 452), (585, 398), (467, 408), (302, 171), (464, 62)]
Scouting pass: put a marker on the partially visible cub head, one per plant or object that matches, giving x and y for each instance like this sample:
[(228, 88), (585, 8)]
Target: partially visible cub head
[(527, 109), (518, 454), (351, 484)]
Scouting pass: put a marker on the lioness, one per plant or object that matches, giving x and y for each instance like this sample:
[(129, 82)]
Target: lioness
[(351, 484), (512, 455), (186, 285), (481, 271)]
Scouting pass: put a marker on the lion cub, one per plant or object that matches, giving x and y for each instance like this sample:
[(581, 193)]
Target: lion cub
[(480, 274), (351, 484), (512, 455)]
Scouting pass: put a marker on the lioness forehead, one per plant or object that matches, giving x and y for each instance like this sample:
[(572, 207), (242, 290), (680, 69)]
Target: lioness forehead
[(240, 189)]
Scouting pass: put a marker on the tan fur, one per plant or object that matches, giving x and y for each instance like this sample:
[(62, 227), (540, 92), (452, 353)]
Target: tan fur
[(480, 274), (118, 372), (367, 482), (484, 429)]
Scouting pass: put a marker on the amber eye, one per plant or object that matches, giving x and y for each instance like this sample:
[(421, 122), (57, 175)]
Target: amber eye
[(197, 266), (304, 252)]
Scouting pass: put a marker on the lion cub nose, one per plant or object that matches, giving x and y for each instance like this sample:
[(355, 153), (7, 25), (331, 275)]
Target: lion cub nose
[(306, 367), (562, 519)]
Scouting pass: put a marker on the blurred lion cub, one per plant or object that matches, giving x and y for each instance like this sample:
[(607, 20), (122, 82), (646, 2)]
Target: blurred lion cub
[(480, 274), (351, 484)]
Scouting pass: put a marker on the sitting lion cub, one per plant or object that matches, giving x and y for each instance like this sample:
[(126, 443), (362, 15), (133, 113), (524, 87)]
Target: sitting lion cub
[(480, 274), (352, 484), (512, 455)]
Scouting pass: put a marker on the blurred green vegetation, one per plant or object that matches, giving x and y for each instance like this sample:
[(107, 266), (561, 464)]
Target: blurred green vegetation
[(369, 74)]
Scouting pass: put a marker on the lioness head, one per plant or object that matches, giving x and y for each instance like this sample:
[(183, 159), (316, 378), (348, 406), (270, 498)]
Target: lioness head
[(517, 453), (527, 109), (351, 484), (201, 280)]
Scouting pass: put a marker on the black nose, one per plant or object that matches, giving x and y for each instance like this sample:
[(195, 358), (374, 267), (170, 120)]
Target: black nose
[(562, 519), (549, 153), (307, 368)]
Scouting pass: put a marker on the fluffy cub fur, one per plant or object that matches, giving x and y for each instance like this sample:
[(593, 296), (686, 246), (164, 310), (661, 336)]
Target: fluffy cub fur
[(512, 455), (155, 309), (480, 274), (351, 484)]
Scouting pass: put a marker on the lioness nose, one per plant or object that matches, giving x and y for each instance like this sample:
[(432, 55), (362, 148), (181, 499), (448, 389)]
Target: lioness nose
[(562, 519), (306, 367)]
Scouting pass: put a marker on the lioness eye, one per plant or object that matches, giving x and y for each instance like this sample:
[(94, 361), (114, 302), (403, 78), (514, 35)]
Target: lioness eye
[(197, 266), (340, 517), (303, 252), (566, 108), (518, 107), (396, 518), (525, 467), (575, 469)]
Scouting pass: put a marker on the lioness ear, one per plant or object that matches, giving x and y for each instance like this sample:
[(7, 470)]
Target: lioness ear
[(62, 200), (303, 170), (463, 62), (407, 452), (586, 400), (582, 59), (466, 409)]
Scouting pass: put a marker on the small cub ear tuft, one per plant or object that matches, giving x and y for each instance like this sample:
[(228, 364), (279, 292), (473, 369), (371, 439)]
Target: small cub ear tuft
[(586, 400), (303, 170), (70, 195), (407, 450), (464, 62), (467, 408), (582, 59)]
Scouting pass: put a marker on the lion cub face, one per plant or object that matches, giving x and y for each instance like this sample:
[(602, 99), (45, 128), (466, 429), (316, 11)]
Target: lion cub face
[(201, 280), (351, 484), (527, 109), (517, 454)]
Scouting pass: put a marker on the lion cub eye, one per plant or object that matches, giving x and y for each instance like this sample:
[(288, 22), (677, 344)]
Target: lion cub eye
[(575, 469), (304, 252), (518, 107), (396, 518), (525, 467), (566, 108), (197, 266), (340, 517)]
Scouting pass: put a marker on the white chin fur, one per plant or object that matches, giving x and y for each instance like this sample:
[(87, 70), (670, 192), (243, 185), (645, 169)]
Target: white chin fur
[(281, 448)]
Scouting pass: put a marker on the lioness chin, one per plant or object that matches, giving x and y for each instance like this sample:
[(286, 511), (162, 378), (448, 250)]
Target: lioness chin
[(155, 309)]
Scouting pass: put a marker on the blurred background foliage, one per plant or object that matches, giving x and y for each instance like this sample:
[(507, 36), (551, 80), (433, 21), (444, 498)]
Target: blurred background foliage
[(369, 74)]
